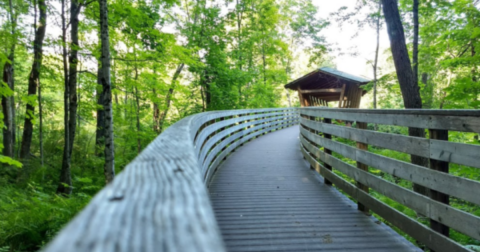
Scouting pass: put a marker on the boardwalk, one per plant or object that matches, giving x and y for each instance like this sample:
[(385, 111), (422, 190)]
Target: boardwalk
[(266, 198)]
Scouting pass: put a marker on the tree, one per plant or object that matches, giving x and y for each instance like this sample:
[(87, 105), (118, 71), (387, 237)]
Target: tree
[(415, 41), (34, 77), (375, 62), (64, 187), (8, 106), (408, 85), (107, 93)]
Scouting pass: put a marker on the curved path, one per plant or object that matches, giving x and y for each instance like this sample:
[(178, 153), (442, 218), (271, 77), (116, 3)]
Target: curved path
[(266, 198)]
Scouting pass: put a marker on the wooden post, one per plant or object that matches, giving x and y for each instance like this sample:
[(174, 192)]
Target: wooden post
[(364, 167), (327, 151), (301, 98), (342, 94), (306, 100), (440, 166)]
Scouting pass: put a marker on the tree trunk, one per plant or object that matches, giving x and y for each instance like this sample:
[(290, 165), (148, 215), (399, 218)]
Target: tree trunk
[(264, 65), (240, 65), (428, 90), (408, 85), (137, 114), (65, 182), (168, 98), (156, 108), (375, 64), (34, 78), (100, 130), (65, 177), (109, 168), (40, 119), (8, 100), (415, 41), (474, 68), (7, 109), (156, 113), (410, 91)]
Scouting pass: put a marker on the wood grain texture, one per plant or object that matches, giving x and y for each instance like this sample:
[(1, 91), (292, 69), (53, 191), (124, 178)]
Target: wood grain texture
[(418, 231), (267, 199), (455, 186), (159, 202), (456, 120), (441, 213), (459, 153)]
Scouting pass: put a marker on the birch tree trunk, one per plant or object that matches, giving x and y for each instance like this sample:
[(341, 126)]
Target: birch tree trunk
[(100, 129), (109, 168), (34, 78), (8, 100)]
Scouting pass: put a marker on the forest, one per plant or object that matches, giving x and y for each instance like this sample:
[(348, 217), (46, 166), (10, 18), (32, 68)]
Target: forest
[(88, 84)]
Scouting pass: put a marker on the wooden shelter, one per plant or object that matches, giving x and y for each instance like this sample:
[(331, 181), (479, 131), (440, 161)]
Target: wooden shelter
[(327, 84)]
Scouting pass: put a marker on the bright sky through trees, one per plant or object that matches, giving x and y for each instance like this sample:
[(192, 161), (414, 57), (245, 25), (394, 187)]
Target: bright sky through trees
[(354, 48)]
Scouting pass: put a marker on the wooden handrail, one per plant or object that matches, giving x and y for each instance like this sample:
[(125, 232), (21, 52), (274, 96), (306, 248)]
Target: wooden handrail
[(159, 202), (456, 120), (437, 149)]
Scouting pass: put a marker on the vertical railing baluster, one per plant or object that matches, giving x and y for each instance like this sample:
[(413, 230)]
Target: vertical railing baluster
[(364, 167), (327, 151), (440, 166)]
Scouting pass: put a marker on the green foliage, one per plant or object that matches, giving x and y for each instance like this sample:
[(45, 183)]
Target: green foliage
[(30, 217)]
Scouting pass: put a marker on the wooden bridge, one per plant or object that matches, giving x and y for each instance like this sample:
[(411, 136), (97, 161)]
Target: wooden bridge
[(261, 180)]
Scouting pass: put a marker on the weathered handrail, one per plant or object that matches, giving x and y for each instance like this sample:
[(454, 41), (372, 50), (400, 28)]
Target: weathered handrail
[(160, 202), (317, 149)]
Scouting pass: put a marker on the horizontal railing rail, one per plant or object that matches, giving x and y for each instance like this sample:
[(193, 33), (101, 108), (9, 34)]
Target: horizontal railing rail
[(159, 202), (322, 152)]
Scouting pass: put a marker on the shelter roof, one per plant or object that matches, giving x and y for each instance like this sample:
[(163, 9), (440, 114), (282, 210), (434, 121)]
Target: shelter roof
[(326, 77)]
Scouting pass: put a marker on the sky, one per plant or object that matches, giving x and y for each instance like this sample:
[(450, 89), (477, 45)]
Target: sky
[(341, 36)]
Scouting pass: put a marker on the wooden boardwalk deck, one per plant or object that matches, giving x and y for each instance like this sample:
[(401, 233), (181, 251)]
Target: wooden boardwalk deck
[(266, 198)]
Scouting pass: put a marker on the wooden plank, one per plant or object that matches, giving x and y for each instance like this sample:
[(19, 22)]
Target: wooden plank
[(441, 166), (240, 114), (245, 134), (266, 200), (455, 186), (411, 145), (459, 153), (210, 168), (323, 90), (413, 228), (210, 129), (328, 144), (210, 142), (160, 194), (455, 218), (158, 202), (462, 120)]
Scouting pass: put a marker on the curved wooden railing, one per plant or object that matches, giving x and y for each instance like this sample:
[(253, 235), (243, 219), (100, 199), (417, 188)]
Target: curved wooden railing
[(316, 134), (160, 202)]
